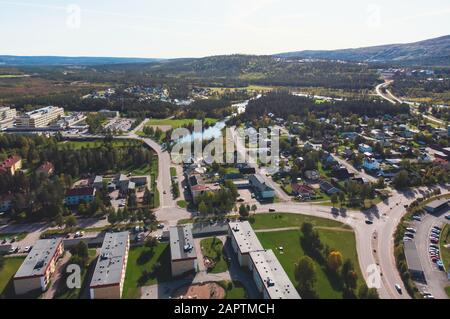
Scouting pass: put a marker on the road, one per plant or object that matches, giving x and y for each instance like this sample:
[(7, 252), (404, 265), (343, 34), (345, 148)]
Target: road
[(389, 96), (241, 149)]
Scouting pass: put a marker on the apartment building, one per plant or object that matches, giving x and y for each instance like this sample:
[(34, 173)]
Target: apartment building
[(35, 272), (109, 274), (182, 250)]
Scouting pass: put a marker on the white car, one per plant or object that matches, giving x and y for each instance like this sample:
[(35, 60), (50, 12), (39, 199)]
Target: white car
[(398, 288), (27, 249)]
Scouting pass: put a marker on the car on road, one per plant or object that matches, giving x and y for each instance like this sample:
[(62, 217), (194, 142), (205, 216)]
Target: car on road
[(271, 210), (164, 192), (160, 226), (398, 288), (369, 222)]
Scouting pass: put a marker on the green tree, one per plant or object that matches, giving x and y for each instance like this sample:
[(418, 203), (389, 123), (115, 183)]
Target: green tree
[(306, 276)]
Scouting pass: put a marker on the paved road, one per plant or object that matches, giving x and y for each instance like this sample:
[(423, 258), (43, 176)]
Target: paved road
[(387, 97), (240, 148)]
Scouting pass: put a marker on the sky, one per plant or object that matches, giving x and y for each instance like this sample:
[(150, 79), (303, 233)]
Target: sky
[(196, 28)]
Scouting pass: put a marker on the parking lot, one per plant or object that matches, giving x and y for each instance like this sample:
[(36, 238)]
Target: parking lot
[(119, 124), (246, 197), (426, 237)]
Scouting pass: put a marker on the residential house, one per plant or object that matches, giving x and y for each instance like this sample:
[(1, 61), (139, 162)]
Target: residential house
[(371, 164), (341, 173), (11, 165), (328, 188), (304, 191), (364, 148), (76, 196), (46, 168)]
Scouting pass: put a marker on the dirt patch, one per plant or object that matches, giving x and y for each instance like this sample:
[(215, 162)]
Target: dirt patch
[(200, 291)]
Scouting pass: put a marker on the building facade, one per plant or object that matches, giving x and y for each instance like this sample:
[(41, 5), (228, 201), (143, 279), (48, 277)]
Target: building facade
[(39, 118), (182, 250), (109, 274), (35, 272)]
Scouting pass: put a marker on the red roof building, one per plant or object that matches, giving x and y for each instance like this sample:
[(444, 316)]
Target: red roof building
[(46, 168), (11, 164)]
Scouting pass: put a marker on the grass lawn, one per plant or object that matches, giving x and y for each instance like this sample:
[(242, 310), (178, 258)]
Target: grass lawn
[(237, 291), (177, 123), (7, 272), (77, 293), (182, 204), (447, 290), (284, 220), (141, 171), (19, 236), (173, 172), (445, 252), (327, 286), (213, 248), (142, 259)]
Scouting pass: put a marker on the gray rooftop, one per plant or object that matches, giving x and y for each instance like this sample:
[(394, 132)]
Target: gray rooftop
[(38, 258), (437, 203), (412, 256), (110, 263), (276, 281), (98, 179), (245, 237), (182, 243)]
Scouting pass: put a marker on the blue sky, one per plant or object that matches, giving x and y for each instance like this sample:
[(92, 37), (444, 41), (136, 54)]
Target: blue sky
[(194, 28)]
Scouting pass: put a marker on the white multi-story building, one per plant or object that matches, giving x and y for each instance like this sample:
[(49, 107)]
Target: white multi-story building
[(7, 117), (39, 118)]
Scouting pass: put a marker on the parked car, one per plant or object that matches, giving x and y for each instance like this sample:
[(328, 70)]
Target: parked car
[(410, 235), (417, 218), (271, 210), (27, 249), (437, 228), (411, 230), (369, 222), (160, 226), (13, 250), (447, 217)]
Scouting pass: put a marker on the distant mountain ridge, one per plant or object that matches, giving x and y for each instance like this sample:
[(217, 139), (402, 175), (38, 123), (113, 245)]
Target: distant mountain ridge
[(428, 52), (11, 60)]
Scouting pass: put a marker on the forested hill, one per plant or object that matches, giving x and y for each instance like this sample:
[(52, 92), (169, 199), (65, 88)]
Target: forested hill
[(10, 60), (429, 52)]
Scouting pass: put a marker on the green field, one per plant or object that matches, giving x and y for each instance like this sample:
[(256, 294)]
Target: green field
[(142, 259), (7, 272), (445, 252), (173, 172), (213, 249), (174, 123), (65, 293), (327, 285), (237, 291), (182, 204), (285, 220)]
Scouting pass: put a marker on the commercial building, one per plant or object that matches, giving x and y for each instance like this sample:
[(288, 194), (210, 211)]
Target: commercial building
[(243, 241), (436, 206), (182, 250), (11, 165), (7, 117), (39, 118), (109, 274), (76, 196), (413, 261), (270, 277), (261, 188), (35, 272)]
